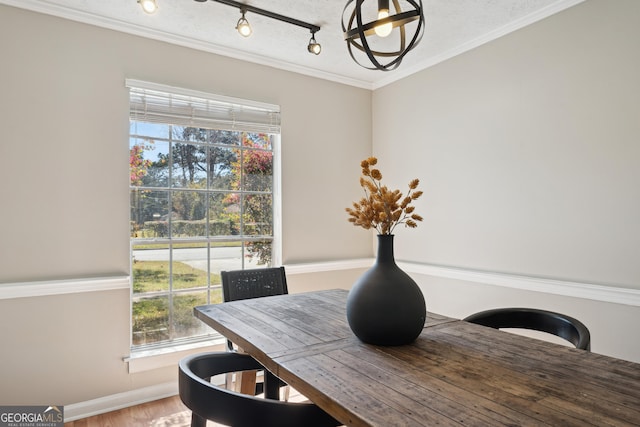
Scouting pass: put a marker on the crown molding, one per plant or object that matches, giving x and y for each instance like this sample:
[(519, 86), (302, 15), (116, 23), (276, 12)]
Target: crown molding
[(41, 6), (479, 41)]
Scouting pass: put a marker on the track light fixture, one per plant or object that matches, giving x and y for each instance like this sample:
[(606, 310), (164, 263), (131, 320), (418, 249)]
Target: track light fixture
[(244, 28), (314, 47), (149, 6), (371, 37)]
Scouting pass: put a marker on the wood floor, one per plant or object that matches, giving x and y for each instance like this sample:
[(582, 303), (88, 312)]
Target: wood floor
[(169, 412)]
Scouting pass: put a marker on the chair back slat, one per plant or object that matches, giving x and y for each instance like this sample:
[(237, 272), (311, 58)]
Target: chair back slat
[(255, 283), (558, 324)]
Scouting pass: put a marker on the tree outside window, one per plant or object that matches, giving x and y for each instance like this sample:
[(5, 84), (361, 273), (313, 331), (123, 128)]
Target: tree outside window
[(201, 202)]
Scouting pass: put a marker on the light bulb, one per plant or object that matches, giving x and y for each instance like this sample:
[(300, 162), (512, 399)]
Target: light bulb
[(314, 47), (243, 27), (148, 6), (385, 29)]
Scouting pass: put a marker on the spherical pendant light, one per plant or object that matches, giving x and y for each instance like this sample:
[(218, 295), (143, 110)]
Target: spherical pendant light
[(364, 38)]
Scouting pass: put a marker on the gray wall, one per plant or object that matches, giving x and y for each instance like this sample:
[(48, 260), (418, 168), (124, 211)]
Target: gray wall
[(64, 177), (64, 185), (527, 148)]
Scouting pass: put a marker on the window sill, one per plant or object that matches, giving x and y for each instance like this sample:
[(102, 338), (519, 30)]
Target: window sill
[(147, 360)]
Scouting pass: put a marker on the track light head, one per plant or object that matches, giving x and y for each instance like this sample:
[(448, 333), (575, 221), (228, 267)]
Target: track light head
[(148, 6), (245, 30), (243, 26), (314, 47)]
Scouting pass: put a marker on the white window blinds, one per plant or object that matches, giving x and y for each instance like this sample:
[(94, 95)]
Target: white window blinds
[(156, 103)]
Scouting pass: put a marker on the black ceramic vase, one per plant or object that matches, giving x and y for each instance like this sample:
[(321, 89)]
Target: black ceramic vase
[(385, 306)]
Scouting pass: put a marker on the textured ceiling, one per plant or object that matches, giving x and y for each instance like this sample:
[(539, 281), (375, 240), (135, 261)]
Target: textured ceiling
[(452, 27)]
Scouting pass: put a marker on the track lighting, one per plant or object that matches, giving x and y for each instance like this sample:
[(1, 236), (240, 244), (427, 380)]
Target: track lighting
[(314, 47), (149, 6), (243, 26), (362, 35)]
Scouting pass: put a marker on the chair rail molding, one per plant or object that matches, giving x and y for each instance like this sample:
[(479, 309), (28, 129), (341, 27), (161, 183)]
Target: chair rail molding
[(61, 287), (597, 292), (319, 267), (603, 293)]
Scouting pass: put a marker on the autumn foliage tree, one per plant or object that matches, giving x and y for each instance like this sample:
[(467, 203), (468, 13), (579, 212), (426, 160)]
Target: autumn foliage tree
[(138, 166), (252, 173)]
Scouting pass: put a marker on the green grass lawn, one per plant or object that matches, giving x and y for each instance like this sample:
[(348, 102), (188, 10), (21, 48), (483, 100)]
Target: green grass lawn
[(150, 276), (151, 315)]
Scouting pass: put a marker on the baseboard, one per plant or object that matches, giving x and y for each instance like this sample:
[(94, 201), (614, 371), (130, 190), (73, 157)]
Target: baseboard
[(117, 401), (125, 399)]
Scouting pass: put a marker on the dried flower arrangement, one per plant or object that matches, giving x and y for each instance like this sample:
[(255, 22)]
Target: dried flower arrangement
[(382, 208)]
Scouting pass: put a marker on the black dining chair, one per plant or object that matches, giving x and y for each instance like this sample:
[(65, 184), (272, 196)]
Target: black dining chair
[(557, 324), (254, 283), (208, 401)]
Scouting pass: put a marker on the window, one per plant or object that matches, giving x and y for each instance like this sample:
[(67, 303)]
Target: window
[(203, 199)]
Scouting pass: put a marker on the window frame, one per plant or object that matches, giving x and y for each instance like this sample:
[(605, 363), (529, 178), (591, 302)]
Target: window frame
[(237, 125)]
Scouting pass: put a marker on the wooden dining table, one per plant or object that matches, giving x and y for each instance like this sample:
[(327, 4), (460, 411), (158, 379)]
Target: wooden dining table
[(454, 374)]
